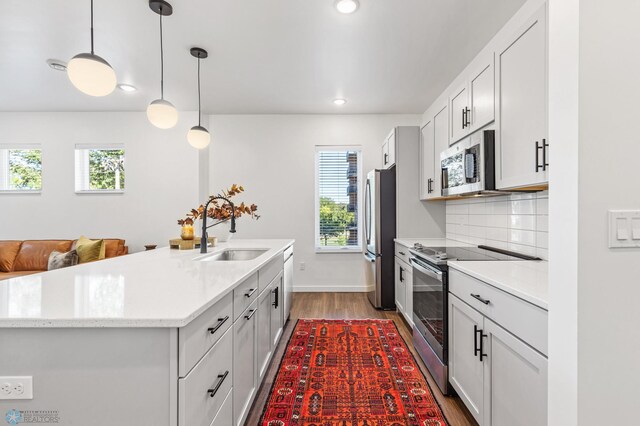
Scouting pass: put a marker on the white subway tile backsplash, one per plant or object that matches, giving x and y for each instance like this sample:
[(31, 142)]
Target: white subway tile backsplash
[(517, 222)]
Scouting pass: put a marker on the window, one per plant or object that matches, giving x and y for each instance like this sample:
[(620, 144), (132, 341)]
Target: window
[(20, 168), (337, 216), (100, 168)]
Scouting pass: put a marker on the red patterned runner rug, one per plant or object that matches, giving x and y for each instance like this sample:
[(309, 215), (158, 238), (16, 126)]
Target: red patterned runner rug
[(350, 373)]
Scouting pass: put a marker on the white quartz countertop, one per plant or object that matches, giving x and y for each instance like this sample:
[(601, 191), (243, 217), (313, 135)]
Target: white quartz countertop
[(158, 288), (430, 242), (528, 280)]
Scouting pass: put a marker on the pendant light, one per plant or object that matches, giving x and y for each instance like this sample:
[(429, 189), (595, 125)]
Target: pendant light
[(161, 113), (91, 74), (198, 136)]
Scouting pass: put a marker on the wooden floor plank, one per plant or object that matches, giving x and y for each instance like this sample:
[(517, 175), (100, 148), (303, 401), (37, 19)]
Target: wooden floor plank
[(349, 306)]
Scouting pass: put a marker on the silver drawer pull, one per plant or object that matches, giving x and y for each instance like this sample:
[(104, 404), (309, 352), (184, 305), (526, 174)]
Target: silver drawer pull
[(212, 392), (250, 293), (217, 326), (477, 297), (251, 313)]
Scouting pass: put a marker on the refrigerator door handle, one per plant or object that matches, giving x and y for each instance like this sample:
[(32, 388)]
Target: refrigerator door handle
[(367, 212), (369, 257)]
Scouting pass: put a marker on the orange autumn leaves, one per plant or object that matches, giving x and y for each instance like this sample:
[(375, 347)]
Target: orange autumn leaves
[(220, 209)]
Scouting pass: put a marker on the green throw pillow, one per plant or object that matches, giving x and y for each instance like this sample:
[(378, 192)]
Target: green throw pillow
[(89, 250)]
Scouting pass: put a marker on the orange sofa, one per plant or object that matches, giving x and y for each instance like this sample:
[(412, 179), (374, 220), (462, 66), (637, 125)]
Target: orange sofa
[(19, 258)]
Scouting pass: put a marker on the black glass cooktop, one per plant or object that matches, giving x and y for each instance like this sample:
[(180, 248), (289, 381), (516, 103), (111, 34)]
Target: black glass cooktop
[(481, 253)]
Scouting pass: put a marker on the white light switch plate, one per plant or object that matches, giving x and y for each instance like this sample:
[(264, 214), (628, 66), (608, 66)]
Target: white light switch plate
[(624, 228), (16, 387)]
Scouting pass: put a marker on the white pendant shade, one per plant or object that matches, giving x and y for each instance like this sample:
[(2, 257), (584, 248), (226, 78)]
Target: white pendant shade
[(162, 114), (199, 137), (91, 74)]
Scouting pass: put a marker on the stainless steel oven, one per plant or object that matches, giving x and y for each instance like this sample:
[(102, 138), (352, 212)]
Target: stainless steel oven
[(469, 166), (430, 318)]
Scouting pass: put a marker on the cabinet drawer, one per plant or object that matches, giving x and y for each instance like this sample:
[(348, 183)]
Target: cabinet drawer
[(402, 253), (244, 295), (269, 271), (203, 391), (225, 415), (528, 322), (197, 337)]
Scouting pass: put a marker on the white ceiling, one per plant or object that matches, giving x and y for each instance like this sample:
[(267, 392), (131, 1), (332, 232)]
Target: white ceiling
[(265, 56)]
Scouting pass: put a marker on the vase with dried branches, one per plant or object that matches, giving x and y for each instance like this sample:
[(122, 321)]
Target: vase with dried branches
[(221, 211)]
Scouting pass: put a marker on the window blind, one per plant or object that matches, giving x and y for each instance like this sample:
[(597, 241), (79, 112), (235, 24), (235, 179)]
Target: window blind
[(337, 204)]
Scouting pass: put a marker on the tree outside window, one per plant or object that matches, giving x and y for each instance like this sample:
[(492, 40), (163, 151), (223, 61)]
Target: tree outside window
[(20, 169)]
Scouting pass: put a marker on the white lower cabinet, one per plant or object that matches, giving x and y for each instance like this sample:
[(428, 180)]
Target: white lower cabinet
[(276, 310), (264, 344), (245, 333), (403, 286), (515, 380), (465, 369), (500, 376), (225, 415)]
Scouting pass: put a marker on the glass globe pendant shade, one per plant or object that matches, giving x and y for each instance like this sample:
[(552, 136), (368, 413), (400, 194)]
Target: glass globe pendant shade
[(199, 137), (162, 114), (91, 74)]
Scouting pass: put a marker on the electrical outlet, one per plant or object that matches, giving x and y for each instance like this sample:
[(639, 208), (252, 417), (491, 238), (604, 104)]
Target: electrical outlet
[(302, 266), (16, 387)]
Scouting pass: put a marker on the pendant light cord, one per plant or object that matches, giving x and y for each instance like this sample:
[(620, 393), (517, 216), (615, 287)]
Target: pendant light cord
[(92, 27), (199, 113), (161, 59)]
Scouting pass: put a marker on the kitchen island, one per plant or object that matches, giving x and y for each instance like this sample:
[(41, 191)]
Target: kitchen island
[(163, 337)]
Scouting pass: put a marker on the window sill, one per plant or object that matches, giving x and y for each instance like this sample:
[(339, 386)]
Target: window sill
[(102, 191), (17, 191), (338, 250)]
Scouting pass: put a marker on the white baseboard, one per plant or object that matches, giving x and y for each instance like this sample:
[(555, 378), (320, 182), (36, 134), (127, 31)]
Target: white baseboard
[(332, 289)]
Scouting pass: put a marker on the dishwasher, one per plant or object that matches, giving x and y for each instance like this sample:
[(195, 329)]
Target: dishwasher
[(288, 281)]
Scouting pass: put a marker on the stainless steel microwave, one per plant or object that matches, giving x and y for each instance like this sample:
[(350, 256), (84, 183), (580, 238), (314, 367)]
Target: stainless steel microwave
[(468, 167)]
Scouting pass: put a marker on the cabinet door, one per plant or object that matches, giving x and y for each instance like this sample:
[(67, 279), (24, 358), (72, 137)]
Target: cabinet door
[(263, 347), (408, 301), (276, 310), (441, 142), (515, 380), (482, 95), (400, 291), (460, 123), (427, 163), (465, 367), (244, 362), (391, 146), (521, 80), (385, 154)]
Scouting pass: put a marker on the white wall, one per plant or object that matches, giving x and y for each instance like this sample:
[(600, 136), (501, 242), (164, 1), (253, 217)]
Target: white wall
[(516, 222), (162, 178), (594, 290), (273, 157)]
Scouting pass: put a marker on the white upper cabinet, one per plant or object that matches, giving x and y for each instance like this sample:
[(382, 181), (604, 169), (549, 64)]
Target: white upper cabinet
[(389, 151), (522, 153), (441, 143), (428, 163), (472, 102)]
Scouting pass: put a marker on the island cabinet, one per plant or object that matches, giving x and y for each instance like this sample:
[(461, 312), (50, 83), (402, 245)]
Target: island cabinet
[(497, 353)]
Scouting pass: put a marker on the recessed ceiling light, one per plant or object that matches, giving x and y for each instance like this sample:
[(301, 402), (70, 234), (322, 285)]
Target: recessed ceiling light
[(127, 88), (339, 102), (347, 6), (57, 65)]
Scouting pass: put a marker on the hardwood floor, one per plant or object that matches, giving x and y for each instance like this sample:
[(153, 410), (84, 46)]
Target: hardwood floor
[(351, 306)]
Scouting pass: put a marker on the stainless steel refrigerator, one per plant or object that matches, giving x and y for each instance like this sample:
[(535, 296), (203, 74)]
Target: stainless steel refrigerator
[(379, 232)]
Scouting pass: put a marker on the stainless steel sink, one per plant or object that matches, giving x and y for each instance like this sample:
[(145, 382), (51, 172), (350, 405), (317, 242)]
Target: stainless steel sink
[(233, 255)]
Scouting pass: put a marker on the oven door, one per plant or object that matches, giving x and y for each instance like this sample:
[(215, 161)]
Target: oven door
[(430, 305)]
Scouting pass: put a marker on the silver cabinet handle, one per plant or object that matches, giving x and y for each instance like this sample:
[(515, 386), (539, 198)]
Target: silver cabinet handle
[(252, 313), (477, 297), (250, 293), (217, 326)]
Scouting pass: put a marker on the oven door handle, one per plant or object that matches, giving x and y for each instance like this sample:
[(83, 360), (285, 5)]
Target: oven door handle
[(429, 272)]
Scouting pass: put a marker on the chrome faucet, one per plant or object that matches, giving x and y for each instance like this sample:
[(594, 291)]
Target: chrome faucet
[(204, 240)]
